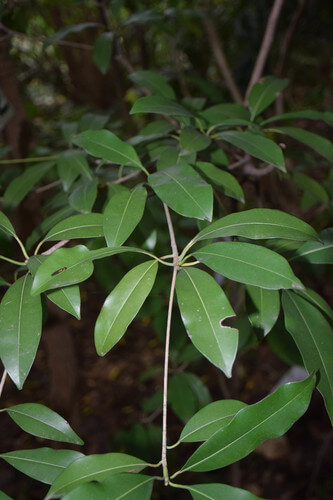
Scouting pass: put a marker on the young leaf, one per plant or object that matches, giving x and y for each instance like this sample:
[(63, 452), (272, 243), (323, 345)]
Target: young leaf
[(191, 140), (153, 82), (313, 337), (224, 181), (20, 329), (210, 419), (252, 425), (40, 421), (318, 143), (317, 252), (104, 144), (214, 491), (128, 486), (183, 190), (257, 146), (264, 93), (6, 225), (204, 306), (68, 299), (249, 264), (159, 105), (83, 196), (259, 223), (264, 307), (103, 51), (122, 214), (77, 226), (187, 394), (66, 266), (94, 468), (123, 304), (43, 464)]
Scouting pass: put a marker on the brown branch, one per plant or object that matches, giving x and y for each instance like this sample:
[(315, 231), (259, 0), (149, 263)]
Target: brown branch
[(265, 45), (221, 59)]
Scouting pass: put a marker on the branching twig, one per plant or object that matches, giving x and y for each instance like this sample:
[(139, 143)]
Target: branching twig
[(221, 59), (265, 45), (48, 186), (126, 177), (55, 247), (3, 380)]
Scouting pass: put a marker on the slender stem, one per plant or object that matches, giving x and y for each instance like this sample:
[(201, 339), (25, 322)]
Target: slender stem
[(55, 247), (186, 249), (22, 247), (48, 186), (3, 380), (18, 263), (126, 177), (172, 235), (29, 160)]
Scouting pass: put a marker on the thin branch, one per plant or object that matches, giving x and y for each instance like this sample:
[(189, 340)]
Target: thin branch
[(265, 45), (3, 380), (55, 247), (47, 186), (240, 162), (172, 235), (221, 59), (126, 177)]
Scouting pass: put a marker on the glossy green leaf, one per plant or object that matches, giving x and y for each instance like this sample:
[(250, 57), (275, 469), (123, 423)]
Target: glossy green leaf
[(256, 145), (317, 252), (210, 419), (314, 338), (263, 223), (103, 51), (159, 105), (318, 143), (122, 214), (94, 468), (6, 225), (153, 82), (38, 420), (122, 305), (220, 112), (249, 264), (263, 307), (191, 140), (187, 394), (183, 190), (87, 491), (70, 165), (224, 181), (20, 329), (21, 185), (259, 223), (83, 196), (104, 144), (68, 299), (66, 266), (43, 464), (128, 487), (264, 93), (327, 116), (204, 306), (270, 418), (77, 226), (317, 300), (215, 491)]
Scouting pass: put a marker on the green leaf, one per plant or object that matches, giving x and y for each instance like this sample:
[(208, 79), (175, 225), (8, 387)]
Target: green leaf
[(187, 394), (312, 188), (70, 164), (210, 419), (68, 299), (327, 116), (77, 226), (183, 190), (216, 491), (94, 468), (47, 224), (123, 304), (264, 93), (6, 225), (249, 264), (270, 418), (101, 253), (104, 144), (204, 306), (256, 145), (66, 266), (153, 82), (128, 487), (220, 112), (224, 181), (264, 307), (83, 197), (20, 329), (317, 252), (103, 51), (317, 300), (314, 338), (259, 223), (73, 28), (21, 185), (191, 140), (40, 421), (316, 142), (87, 491), (93, 121), (3, 496), (122, 214), (159, 105), (43, 464)]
